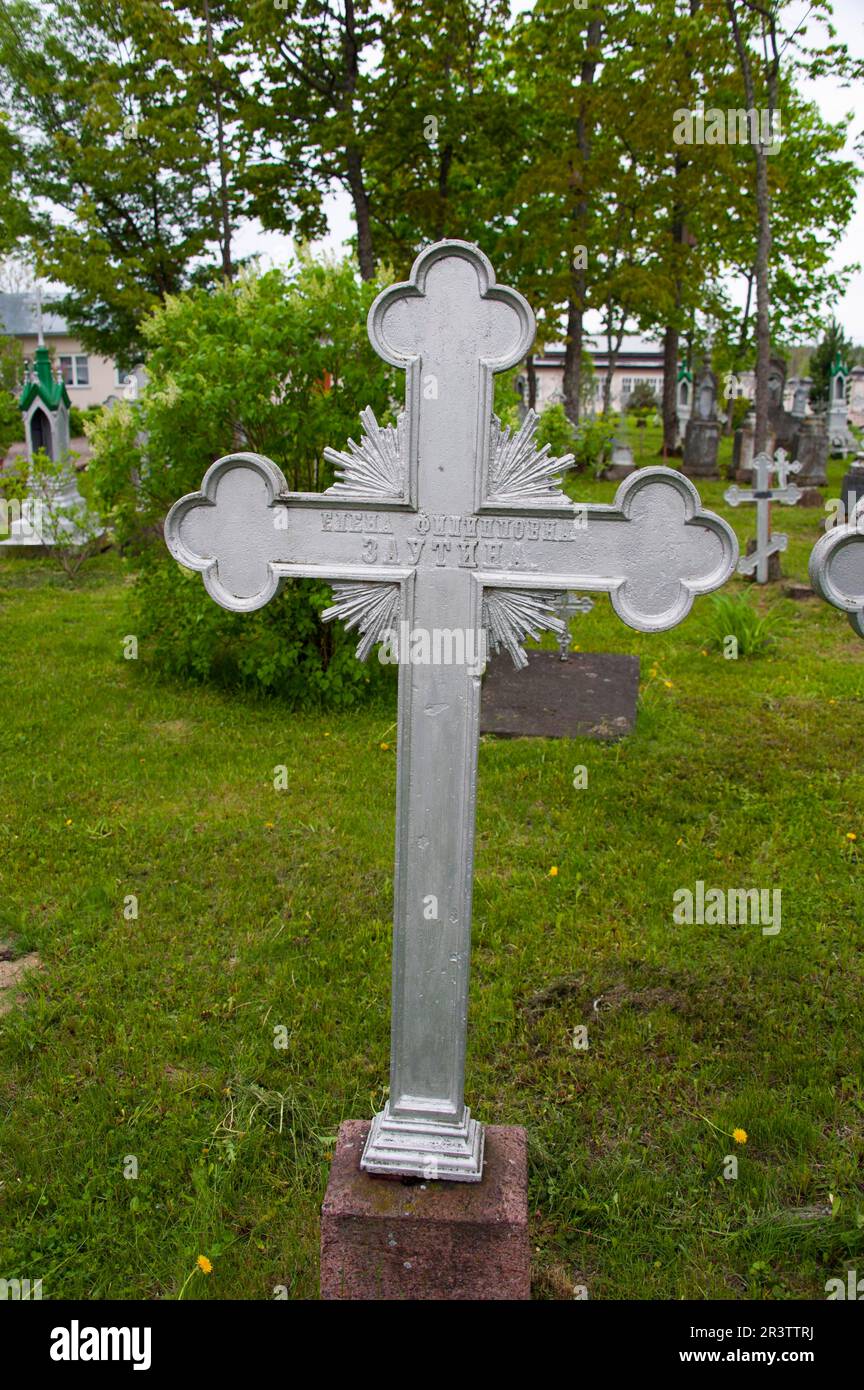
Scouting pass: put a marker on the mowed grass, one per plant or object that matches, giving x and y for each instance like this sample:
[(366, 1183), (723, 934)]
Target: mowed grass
[(264, 916)]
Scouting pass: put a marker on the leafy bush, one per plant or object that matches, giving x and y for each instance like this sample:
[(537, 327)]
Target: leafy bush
[(274, 364), (282, 649), (593, 445), (554, 429), (11, 421), (80, 418), (733, 615), (741, 407), (642, 398)]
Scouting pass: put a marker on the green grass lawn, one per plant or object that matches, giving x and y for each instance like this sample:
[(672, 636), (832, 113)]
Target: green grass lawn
[(152, 1038)]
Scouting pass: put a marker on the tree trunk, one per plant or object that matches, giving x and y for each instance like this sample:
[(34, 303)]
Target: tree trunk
[(224, 203), (670, 391), (531, 372), (353, 157), (763, 208), (360, 199), (572, 384)]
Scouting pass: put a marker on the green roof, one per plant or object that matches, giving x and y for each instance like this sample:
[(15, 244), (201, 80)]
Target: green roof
[(51, 393)]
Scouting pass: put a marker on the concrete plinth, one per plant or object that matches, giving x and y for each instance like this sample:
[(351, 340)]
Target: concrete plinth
[(386, 1238)]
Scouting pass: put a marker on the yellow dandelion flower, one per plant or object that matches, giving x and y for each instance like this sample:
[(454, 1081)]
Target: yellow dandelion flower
[(68, 822), (385, 746), (740, 1136), (553, 872), (204, 1265), (850, 835), (268, 825), (668, 685)]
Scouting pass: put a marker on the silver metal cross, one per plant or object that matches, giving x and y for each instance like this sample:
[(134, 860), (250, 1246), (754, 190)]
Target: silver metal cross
[(570, 604), (837, 567), (763, 495), (445, 526)]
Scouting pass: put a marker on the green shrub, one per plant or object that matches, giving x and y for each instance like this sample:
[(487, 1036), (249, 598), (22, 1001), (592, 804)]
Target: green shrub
[(741, 408), (554, 429), (79, 419), (11, 422), (642, 398), (733, 615), (594, 435), (282, 649), (274, 364)]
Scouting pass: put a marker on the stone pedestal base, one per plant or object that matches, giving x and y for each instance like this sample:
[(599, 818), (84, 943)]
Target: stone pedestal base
[(810, 497), (384, 1238)]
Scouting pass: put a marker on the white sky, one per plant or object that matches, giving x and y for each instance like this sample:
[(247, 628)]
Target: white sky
[(833, 101)]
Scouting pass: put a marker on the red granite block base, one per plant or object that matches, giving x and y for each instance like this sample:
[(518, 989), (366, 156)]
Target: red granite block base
[(384, 1238)]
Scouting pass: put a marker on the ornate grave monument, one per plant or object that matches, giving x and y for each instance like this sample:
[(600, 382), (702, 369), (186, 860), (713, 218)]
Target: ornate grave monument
[(856, 397), (45, 406), (757, 563), (683, 400), (702, 437), (841, 440), (446, 523), (621, 465)]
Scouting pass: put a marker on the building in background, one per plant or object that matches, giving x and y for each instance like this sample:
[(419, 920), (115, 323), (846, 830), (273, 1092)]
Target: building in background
[(639, 359), (89, 379)]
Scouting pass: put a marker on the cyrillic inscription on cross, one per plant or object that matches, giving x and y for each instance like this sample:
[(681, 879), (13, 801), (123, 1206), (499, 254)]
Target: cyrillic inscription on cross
[(445, 522)]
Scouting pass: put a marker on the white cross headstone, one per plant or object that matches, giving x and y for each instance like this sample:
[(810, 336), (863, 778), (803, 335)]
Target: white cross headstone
[(445, 525), (837, 568), (763, 494), (570, 604)]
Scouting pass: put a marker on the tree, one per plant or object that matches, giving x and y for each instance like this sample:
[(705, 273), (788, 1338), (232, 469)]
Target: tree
[(125, 113)]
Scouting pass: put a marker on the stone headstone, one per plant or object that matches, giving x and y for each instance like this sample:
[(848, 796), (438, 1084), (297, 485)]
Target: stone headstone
[(590, 695), (856, 397), (683, 401), (801, 396), (840, 439), (702, 437), (742, 449), (445, 524), (621, 464), (810, 448), (781, 423)]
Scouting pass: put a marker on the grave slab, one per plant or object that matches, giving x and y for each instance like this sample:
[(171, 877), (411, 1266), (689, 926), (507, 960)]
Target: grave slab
[(591, 694), (388, 1238)]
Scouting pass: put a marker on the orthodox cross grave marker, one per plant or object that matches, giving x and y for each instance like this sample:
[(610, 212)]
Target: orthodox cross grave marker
[(447, 523), (570, 604), (763, 495), (837, 568)]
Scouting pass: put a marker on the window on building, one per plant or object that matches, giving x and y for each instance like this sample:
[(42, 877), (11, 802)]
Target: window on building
[(75, 371), (627, 386)]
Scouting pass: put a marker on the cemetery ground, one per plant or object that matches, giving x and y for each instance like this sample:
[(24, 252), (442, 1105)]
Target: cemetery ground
[(148, 1041)]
